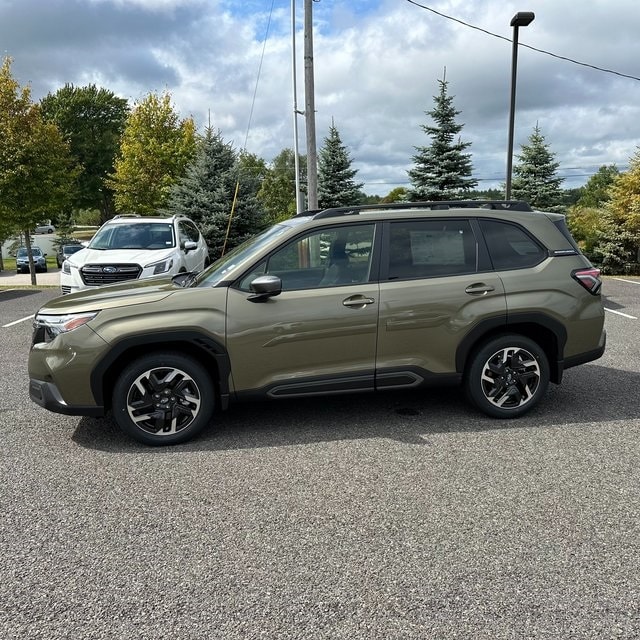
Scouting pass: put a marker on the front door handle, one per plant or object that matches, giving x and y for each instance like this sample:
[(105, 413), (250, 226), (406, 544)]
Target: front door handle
[(357, 302), (479, 289)]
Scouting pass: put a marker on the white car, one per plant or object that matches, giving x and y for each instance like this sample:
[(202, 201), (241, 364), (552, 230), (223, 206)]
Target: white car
[(135, 247), (44, 228)]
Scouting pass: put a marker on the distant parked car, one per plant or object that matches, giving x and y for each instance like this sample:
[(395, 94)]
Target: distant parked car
[(67, 250), (22, 260), (44, 228)]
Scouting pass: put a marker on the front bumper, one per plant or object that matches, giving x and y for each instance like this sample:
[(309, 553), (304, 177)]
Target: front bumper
[(46, 394)]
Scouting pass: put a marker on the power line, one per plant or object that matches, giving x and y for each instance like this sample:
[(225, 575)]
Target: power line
[(548, 53), (255, 91)]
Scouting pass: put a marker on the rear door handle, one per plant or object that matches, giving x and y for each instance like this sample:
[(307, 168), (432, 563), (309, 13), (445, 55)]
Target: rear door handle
[(357, 302), (479, 289)]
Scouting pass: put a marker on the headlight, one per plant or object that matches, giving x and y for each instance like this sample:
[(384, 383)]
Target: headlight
[(66, 267), (47, 327), (160, 267)]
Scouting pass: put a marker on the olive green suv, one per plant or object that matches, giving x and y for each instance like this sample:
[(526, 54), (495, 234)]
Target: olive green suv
[(490, 294)]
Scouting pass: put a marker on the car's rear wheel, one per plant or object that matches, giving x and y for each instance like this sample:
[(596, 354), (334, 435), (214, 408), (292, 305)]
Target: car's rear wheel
[(507, 376), (163, 398)]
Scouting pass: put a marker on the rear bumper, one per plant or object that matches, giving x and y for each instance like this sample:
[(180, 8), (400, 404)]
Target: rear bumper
[(588, 356), (46, 394)]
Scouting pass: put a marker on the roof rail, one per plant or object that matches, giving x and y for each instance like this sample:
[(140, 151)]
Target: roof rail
[(501, 205)]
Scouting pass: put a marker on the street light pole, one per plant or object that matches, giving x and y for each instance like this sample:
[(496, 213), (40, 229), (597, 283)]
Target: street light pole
[(521, 19)]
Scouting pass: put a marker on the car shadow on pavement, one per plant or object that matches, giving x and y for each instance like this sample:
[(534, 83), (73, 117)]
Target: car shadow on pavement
[(407, 417)]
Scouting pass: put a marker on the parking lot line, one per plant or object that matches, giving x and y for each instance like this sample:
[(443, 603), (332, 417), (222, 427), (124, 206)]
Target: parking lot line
[(629, 281), (626, 315), (18, 321)]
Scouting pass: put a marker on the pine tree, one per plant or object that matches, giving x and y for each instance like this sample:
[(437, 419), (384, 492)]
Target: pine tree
[(206, 195), (535, 178), (442, 170), (336, 185)]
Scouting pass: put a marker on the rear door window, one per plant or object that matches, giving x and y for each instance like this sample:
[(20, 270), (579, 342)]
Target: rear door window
[(431, 248)]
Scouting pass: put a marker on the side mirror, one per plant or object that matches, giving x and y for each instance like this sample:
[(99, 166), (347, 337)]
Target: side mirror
[(190, 245), (265, 287)]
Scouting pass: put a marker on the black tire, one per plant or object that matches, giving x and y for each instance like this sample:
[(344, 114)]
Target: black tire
[(163, 398), (507, 376)]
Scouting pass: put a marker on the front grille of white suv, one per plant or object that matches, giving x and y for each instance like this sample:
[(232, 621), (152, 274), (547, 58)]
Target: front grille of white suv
[(95, 275)]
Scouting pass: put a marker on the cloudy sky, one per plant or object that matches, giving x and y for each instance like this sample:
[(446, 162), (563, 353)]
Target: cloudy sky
[(377, 65)]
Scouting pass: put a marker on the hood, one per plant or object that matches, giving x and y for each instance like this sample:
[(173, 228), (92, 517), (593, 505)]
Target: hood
[(143, 257), (113, 295)]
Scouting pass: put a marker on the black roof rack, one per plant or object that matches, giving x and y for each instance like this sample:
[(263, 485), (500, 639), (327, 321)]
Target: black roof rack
[(501, 205)]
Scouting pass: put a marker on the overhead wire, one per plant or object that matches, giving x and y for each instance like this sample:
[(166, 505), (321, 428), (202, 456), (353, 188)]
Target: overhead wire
[(246, 137), (521, 44)]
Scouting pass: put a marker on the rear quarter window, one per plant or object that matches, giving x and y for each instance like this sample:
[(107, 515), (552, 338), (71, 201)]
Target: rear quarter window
[(510, 246)]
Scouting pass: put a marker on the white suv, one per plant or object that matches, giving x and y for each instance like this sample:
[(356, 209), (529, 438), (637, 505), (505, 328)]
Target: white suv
[(134, 247)]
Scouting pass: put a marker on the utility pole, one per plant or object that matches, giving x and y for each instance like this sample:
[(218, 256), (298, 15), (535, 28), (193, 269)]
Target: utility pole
[(296, 113), (310, 110)]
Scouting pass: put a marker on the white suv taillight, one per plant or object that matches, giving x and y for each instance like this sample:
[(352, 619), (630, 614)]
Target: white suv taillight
[(589, 278)]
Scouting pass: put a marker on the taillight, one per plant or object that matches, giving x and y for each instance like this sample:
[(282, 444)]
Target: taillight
[(589, 278)]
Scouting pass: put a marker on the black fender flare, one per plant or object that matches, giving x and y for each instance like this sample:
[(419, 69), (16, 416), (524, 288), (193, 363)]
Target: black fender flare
[(200, 343), (512, 322)]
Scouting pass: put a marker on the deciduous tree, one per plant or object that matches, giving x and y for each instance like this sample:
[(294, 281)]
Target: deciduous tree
[(92, 120), (36, 168), (155, 150), (278, 189)]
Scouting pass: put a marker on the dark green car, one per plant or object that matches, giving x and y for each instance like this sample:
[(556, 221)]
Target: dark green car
[(490, 294)]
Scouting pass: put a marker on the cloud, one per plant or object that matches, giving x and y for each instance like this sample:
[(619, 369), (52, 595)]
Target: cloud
[(376, 63)]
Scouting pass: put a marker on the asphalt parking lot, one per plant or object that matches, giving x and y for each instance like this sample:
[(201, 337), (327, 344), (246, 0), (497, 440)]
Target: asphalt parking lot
[(396, 516)]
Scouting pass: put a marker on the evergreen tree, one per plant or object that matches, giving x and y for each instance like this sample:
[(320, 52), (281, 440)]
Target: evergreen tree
[(535, 178), (336, 185), (442, 170), (207, 195)]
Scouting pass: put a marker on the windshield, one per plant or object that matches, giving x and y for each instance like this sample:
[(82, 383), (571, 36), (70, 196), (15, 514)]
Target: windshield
[(68, 250), (138, 235), (217, 271), (22, 253)]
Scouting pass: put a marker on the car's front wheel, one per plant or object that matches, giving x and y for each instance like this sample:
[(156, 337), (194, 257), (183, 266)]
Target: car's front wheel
[(163, 398), (507, 376)]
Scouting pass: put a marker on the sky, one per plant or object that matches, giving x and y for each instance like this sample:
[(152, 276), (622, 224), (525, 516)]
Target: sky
[(228, 63)]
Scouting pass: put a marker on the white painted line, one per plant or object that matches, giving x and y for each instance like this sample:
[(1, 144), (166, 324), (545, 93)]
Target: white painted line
[(629, 281), (17, 321), (626, 315)]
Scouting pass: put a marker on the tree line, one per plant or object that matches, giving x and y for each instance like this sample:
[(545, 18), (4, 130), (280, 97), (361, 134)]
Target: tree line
[(83, 154)]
